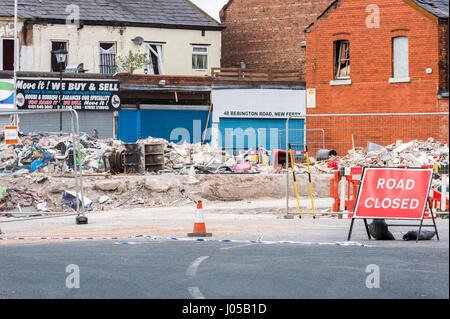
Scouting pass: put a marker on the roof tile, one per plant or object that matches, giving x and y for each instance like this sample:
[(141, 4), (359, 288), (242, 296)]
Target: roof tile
[(166, 12)]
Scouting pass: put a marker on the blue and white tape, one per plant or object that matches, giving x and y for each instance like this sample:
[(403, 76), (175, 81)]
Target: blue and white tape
[(258, 241)]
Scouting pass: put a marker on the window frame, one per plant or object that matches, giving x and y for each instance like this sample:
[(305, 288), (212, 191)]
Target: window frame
[(205, 54), (149, 56), (337, 67), (396, 78), (100, 56), (51, 54), (2, 53)]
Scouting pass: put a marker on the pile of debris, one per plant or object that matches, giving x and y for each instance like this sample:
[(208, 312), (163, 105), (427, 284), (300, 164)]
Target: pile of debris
[(53, 155), (13, 198), (415, 153), (191, 159)]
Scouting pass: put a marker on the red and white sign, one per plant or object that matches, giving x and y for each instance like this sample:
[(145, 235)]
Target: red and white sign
[(393, 193), (11, 135)]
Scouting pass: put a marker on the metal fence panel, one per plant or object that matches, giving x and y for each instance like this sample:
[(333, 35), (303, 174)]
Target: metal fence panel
[(344, 132)]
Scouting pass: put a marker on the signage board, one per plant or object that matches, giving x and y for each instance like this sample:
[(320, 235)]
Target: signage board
[(11, 135), (393, 193), (258, 103), (75, 94)]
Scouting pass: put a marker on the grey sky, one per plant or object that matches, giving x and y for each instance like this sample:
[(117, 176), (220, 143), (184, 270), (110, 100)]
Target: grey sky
[(212, 7)]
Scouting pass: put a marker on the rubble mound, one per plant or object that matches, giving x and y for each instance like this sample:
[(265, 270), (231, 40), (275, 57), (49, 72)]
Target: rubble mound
[(415, 153)]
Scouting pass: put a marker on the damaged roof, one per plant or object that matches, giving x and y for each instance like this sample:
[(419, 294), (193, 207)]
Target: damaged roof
[(156, 13), (438, 8)]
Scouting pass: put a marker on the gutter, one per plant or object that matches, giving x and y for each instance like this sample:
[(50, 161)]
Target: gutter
[(134, 24)]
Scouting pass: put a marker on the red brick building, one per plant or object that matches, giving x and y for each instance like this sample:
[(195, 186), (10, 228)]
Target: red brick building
[(267, 34), (391, 57)]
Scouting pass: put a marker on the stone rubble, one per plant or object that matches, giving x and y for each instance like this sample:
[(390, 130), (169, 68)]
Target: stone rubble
[(39, 158), (413, 154)]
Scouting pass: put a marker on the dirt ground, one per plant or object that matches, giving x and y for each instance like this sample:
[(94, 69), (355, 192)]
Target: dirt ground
[(164, 190)]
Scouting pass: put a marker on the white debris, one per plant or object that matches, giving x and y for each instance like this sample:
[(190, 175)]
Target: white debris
[(403, 147)]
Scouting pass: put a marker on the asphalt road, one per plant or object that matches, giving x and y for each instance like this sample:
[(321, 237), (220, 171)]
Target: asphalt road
[(190, 270)]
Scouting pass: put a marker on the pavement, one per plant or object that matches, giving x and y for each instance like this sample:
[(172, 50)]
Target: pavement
[(245, 220)]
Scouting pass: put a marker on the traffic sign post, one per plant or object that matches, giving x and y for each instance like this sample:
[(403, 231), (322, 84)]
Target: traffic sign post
[(394, 193)]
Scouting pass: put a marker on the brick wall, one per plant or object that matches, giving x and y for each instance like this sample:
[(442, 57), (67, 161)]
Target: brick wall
[(371, 68), (443, 121), (267, 33), (443, 55)]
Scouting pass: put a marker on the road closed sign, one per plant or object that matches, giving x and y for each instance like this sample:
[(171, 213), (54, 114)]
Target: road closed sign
[(393, 193)]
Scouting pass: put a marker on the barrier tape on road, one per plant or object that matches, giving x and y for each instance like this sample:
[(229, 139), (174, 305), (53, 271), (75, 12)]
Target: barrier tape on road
[(259, 241)]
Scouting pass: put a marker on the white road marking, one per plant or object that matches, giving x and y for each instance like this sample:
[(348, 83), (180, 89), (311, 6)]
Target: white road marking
[(192, 269), (195, 293), (224, 248)]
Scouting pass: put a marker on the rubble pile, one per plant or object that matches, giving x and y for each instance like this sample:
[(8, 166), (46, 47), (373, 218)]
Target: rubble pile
[(32, 174), (22, 197), (415, 153), (191, 159), (53, 154)]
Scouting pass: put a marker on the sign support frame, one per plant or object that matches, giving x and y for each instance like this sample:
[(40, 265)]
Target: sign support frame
[(395, 225)]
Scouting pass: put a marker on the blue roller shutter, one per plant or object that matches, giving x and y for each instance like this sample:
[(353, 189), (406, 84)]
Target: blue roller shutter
[(272, 134), (175, 126), (128, 126)]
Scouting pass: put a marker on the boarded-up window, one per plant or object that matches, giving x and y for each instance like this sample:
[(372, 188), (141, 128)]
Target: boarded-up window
[(341, 59), (400, 57)]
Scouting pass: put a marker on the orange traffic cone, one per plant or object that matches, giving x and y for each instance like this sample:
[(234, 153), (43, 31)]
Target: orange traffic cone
[(199, 224)]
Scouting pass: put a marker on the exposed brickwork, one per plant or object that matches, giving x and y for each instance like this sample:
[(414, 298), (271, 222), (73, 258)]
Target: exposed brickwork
[(443, 55), (443, 121), (371, 68), (267, 33)]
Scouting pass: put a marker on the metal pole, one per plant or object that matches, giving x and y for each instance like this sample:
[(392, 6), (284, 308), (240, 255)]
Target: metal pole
[(287, 165), (310, 183), (16, 60), (60, 100), (295, 181), (444, 193), (75, 170), (80, 170), (432, 217)]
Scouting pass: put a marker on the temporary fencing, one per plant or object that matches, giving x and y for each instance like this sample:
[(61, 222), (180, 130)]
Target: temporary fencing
[(342, 134), (78, 174)]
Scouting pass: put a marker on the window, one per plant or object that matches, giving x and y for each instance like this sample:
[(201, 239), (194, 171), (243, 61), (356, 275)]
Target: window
[(342, 59), (199, 58), (155, 57), (55, 67), (107, 58), (7, 54), (400, 59)]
